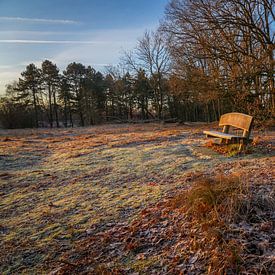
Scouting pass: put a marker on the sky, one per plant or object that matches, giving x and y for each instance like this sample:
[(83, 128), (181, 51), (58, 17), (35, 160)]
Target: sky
[(93, 32)]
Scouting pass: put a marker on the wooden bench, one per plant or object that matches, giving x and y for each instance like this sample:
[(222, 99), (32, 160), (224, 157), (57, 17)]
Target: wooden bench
[(238, 121)]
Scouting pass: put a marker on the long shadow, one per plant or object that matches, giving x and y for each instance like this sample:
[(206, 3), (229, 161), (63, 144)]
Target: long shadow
[(21, 162), (150, 141)]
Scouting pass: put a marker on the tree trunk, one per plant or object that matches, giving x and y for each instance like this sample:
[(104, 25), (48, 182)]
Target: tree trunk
[(71, 117), (65, 113), (35, 107), (55, 110), (50, 107)]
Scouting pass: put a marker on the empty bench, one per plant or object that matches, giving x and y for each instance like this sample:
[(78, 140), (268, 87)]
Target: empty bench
[(237, 121)]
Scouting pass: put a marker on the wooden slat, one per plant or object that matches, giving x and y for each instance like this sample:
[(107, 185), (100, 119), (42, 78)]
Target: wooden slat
[(220, 135), (237, 120)]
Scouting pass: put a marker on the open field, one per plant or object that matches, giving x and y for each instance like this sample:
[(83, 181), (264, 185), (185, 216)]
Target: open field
[(59, 187)]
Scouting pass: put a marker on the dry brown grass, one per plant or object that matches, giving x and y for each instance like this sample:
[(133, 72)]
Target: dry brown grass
[(214, 204), (59, 188), (214, 198), (211, 203), (209, 228)]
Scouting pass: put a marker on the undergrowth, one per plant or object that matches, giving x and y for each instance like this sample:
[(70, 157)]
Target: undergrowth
[(259, 145), (230, 150), (214, 204), (215, 198)]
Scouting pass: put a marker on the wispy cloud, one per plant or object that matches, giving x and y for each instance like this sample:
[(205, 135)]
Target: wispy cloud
[(23, 41), (5, 67), (111, 32), (37, 33), (38, 20)]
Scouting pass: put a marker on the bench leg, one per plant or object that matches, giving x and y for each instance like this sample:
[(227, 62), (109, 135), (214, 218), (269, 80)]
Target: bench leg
[(242, 145), (223, 141)]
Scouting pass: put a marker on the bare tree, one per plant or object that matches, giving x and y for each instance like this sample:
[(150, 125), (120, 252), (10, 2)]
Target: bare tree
[(232, 42), (152, 56)]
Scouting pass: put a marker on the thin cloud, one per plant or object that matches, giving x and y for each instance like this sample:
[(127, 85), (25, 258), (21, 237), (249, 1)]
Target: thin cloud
[(5, 67), (114, 32), (23, 41), (37, 20), (36, 33)]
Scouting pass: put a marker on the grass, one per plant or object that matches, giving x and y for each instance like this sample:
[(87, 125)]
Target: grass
[(215, 204), (61, 186), (57, 185), (208, 228), (211, 198)]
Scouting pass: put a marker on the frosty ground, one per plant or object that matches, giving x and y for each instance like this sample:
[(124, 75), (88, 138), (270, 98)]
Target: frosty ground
[(59, 187)]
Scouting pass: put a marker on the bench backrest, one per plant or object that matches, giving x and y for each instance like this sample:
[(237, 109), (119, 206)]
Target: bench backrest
[(237, 120)]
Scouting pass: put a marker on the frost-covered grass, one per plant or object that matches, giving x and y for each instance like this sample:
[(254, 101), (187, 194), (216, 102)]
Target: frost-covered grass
[(58, 186)]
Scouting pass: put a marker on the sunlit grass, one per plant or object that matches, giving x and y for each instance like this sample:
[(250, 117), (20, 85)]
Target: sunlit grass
[(58, 185)]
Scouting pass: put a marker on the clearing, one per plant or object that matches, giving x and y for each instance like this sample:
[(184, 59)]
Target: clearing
[(61, 186)]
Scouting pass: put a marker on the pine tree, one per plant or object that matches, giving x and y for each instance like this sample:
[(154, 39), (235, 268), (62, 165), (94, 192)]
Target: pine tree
[(50, 80), (29, 86)]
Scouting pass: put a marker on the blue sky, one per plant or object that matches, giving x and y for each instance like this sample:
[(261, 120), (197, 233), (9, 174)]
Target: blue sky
[(93, 32)]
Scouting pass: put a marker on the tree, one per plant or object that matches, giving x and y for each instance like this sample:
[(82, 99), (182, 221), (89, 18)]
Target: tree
[(65, 97), (119, 93), (50, 80), (99, 94), (143, 93), (30, 85), (127, 96), (15, 112), (151, 55), (110, 96), (75, 74)]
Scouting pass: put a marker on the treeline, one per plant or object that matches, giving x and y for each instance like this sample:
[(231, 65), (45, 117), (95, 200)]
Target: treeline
[(81, 96), (208, 57)]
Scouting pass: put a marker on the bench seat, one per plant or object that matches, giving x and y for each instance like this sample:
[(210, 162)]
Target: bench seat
[(221, 135)]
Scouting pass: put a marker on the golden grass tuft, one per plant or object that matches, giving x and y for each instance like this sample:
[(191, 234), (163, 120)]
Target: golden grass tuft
[(212, 197), (215, 198), (213, 203)]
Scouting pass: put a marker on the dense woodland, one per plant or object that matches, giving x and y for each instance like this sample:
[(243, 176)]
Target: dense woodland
[(208, 57)]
